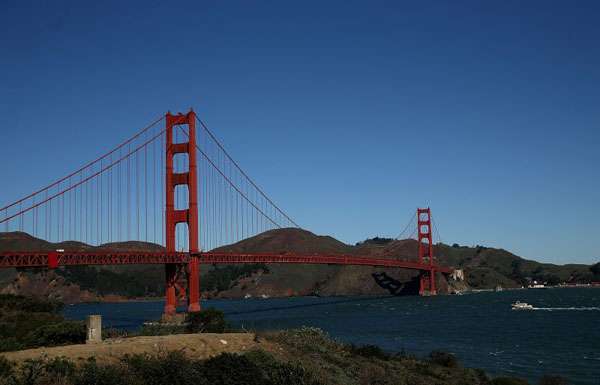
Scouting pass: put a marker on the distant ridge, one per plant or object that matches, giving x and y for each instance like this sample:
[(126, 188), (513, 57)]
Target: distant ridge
[(485, 268), (21, 241)]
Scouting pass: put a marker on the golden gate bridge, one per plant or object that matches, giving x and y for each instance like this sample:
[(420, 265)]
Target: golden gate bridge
[(178, 193)]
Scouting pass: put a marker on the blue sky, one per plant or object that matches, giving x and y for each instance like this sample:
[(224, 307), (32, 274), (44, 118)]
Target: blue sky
[(349, 114)]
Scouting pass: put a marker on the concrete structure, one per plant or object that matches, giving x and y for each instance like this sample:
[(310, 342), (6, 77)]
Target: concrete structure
[(93, 325)]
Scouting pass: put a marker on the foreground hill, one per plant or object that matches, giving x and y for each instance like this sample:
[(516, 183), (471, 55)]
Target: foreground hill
[(484, 268), (305, 356)]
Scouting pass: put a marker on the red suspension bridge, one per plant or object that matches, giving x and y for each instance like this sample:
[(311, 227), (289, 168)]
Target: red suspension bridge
[(169, 186)]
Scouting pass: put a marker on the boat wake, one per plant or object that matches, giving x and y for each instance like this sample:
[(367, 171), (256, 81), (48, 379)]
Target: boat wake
[(566, 308)]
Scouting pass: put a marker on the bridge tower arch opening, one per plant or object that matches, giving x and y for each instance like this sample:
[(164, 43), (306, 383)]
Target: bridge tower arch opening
[(178, 215), (427, 277)]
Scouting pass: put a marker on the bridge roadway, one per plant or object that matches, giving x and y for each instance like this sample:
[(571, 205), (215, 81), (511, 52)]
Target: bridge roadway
[(54, 259)]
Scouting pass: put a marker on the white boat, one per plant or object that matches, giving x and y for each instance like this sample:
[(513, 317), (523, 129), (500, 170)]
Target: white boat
[(521, 306)]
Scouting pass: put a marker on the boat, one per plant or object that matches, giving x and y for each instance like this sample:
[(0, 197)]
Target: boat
[(521, 306)]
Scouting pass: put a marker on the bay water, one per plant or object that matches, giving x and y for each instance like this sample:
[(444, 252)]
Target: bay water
[(561, 336)]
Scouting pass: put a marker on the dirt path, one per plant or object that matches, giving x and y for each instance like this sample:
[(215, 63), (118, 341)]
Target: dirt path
[(199, 346)]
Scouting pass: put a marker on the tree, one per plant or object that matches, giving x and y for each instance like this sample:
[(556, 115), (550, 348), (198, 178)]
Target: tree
[(595, 269), (208, 320)]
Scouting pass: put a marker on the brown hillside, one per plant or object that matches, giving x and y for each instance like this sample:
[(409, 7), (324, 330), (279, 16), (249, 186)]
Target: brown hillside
[(292, 240), (48, 283), (285, 280)]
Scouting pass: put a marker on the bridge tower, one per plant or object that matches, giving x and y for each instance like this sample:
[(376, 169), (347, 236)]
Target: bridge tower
[(188, 215), (427, 279)]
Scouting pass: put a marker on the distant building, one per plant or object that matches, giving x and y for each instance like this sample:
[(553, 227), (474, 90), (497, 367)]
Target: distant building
[(458, 275)]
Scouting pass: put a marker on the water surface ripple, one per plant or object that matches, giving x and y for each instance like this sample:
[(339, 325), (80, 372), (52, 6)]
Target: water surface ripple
[(562, 336)]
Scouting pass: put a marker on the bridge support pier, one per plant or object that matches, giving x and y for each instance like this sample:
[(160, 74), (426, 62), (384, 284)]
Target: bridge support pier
[(188, 215), (194, 285), (171, 293), (427, 281)]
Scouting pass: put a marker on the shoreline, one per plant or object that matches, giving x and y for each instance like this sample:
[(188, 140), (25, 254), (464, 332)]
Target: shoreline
[(108, 299)]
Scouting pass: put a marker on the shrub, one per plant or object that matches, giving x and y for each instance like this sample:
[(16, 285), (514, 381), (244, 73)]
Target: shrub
[(66, 332), (170, 368), (31, 371), (233, 369), (278, 373), (285, 374), (6, 367), (368, 351), (115, 333), (157, 329), (446, 359), (60, 367), (93, 374), (404, 355), (553, 380), (307, 339), (509, 381), (9, 344), (206, 321)]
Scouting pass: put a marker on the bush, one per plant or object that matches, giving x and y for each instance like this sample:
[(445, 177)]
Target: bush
[(115, 333), (157, 329), (307, 339), (93, 374), (10, 344), (278, 373), (31, 371), (233, 369), (58, 370), (446, 359), (553, 380), (66, 332), (206, 321), (6, 367), (170, 368), (509, 381), (368, 351)]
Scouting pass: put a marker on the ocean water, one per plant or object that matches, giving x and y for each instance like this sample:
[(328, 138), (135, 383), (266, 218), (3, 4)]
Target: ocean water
[(561, 336)]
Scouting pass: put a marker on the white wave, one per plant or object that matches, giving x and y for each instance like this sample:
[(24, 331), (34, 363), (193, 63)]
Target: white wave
[(566, 308)]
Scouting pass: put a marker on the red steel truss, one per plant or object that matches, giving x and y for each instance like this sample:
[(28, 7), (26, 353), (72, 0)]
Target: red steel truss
[(45, 259)]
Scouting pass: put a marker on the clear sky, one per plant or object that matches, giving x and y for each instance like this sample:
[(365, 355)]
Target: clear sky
[(349, 114)]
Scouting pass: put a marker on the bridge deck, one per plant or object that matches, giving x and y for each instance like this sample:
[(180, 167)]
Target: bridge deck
[(54, 259)]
